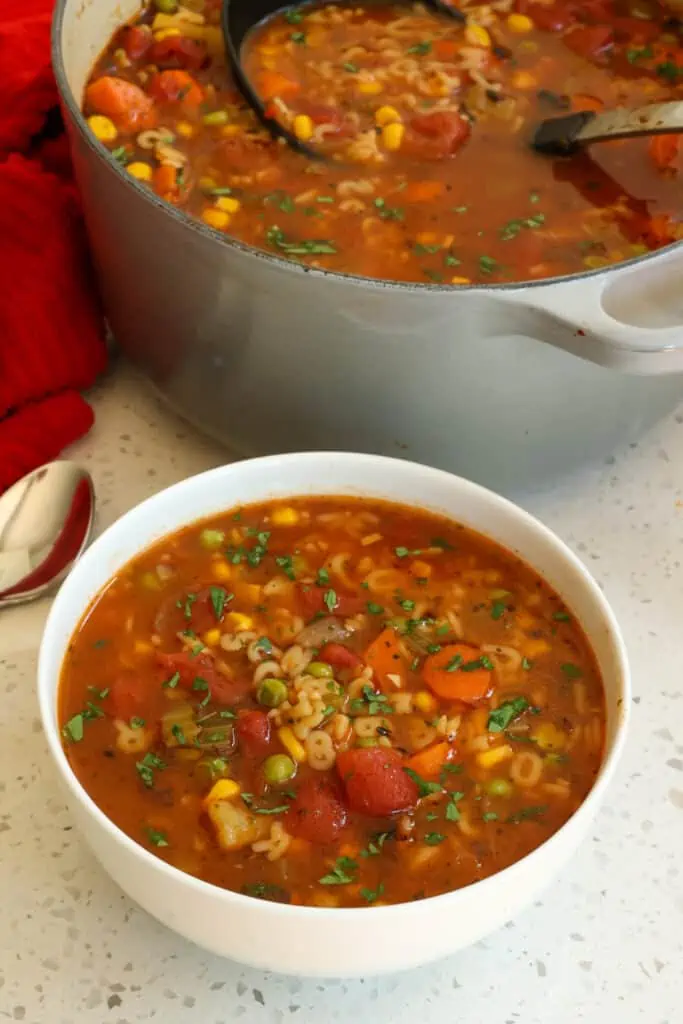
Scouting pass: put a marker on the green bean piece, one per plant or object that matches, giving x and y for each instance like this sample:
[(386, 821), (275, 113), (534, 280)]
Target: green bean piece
[(272, 692), (278, 768)]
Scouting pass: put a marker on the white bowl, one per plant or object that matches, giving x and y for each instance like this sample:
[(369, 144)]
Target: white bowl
[(316, 941)]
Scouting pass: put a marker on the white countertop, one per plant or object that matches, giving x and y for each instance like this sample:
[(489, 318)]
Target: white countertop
[(604, 945)]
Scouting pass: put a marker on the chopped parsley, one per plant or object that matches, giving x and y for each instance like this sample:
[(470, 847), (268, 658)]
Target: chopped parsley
[(74, 728), (388, 212), (561, 616), (294, 16), (372, 895), (147, 766), (434, 838), (452, 811), (571, 671), (330, 600), (639, 53), (343, 872), (508, 711), (425, 788), (137, 723), (264, 890), (406, 604), (170, 684), (514, 227), (219, 599), (488, 265), (420, 48), (374, 609), (489, 816), (374, 847), (527, 814), (298, 37), (669, 70), (526, 664), (350, 66), (186, 605), (155, 837), (371, 702), (322, 577), (498, 609), (264, 644), (305, 247), (120, 154), (455, 663)]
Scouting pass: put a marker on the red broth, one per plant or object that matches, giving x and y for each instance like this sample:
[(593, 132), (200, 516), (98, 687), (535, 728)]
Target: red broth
[(427, 126), (332, 703)]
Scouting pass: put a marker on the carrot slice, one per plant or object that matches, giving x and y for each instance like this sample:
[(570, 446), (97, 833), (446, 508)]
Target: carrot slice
[(125, 103), (272, 84), (663, 150), (423, 191), (456, 673), (176, 86), (429, 762), (385, 658), (165, 181)]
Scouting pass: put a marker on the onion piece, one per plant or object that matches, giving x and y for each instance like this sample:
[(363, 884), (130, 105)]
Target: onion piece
[(324, 631)]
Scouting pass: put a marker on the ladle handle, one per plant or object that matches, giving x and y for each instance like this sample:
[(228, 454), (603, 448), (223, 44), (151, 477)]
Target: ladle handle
[(565, 134)]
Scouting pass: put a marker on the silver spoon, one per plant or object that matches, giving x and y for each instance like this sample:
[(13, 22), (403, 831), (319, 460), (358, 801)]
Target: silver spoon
[(562, 135), (46, 520)]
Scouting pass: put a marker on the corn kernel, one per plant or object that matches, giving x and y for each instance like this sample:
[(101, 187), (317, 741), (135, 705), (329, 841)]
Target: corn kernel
[(425, 702), (224, 789), (185, 129), (519, 23), (476, 35), (534, 648), (392, 135), (228, 203), (230, 129), (460, 280), (143, 172), (385, 115), (221, 570), (494, 756), (142, 647), (103, 128), (291, 744), (549, 737), (212, 637), (239, 621), (216, 219), (523, 80), (166, 33), (422, 570), (303, 127), (369, 88), (285, 515)]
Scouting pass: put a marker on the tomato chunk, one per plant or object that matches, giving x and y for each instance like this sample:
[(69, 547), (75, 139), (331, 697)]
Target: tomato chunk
[(339, 656), (590, 41), (328, 601), (176, 87), (189, 669), (317, 813), (136, 41), (375, 781), (550, 19), (127, 697), (198, 609), (436, 135), (178, 52), (253, 732)]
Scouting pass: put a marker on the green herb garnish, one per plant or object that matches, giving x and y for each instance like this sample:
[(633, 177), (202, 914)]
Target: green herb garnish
[(508, 711), (343, 872), (155, 837), (424, 788)]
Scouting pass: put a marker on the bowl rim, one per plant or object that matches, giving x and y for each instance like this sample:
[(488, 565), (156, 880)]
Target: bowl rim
[(195, 225), (51, 651)]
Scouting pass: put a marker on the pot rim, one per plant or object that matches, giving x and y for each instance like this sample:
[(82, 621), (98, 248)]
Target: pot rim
[(194, 224)]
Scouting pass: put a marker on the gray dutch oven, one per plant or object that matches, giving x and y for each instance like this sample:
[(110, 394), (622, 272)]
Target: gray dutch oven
[(503, 384)]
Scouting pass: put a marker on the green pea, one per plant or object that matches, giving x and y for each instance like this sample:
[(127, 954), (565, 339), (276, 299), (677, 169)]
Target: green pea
[(366, 741), (499, 787), (215, 118), (272, 692), (278, 768), (166, 6), (211, 539), (320, 670)]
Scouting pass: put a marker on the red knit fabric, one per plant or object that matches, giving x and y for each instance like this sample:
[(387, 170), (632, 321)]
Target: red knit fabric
[(51, 325)]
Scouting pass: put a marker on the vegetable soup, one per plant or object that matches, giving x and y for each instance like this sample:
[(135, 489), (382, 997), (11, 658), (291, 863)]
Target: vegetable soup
[(425, 124), (332, 702)]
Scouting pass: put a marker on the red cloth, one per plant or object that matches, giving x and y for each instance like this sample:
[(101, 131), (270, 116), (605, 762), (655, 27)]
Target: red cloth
[(51, 325)]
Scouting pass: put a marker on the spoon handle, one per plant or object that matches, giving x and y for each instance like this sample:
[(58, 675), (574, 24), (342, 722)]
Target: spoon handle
[(561, 135)]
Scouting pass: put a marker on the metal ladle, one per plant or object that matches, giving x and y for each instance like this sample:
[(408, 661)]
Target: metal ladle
[(240, 17), (560, 136), (46, 520)]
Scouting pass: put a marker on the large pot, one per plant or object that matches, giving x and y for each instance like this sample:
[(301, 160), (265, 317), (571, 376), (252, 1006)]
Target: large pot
[(499, 383)]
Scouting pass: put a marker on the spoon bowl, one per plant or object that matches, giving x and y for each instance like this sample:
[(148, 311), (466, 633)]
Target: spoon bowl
[(46, 521)]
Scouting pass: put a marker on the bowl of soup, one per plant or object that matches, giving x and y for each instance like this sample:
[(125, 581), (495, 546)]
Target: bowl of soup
[(320, 726), (431, 276)]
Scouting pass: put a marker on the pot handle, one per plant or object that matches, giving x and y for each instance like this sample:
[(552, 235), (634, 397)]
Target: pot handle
[(628, 319)]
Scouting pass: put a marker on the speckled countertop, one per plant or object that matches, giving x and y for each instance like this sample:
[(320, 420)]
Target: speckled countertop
[(604, 945)]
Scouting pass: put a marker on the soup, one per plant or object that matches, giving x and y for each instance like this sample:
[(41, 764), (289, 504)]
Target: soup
[(426, 126), (333, 703)]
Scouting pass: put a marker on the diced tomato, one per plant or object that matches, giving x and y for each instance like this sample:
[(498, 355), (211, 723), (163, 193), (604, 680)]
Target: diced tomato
[(339, 656), (176, 87), (136, 41), (129, 107), (375, 781), (320, 113), (189, 668), (590, 41), (241, 154), (127, 697), (635, 30), (436, 135), (663, 150), (178, 52), (328, 601), (317, 813), (191, 609), (253, 732)]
